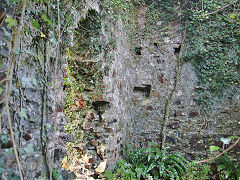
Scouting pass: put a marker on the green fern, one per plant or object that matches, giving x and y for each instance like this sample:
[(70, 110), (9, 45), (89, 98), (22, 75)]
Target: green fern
[(227, 168), (151, 162)]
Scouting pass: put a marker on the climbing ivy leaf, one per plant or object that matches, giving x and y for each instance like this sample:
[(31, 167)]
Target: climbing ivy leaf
[(232, 16), (35, 83), (23, 113), (29, 149), (234, 137), (226, 140), (27, 82), (213, 148), (42, 35), (49, 126), (3, 138), (52, 38), (15, 90), (35, 24), (15, 177), (6, 33), (44, 16), (11, 22), (14, 1), (68, 19)]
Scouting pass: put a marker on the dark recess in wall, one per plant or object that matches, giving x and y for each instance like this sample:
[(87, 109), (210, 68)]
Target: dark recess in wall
[(177, 48), (138, 50), (155, 46), (145, 90)]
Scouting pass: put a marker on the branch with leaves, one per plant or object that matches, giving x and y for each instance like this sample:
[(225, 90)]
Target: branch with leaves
[(217, 156)]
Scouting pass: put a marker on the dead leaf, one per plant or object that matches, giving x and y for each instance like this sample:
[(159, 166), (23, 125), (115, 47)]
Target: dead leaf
[(101, 149), (86, 157), (65, 163), (80, 97), (89, 115), (73, 106), (102, 117), (101, 167), (81, 103), (92, 116), (77, 103), (94, 142), (100, 98)]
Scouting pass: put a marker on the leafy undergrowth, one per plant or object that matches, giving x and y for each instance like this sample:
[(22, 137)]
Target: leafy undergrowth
[(150, 163), (153, 163), (213, 48), (83, 86)]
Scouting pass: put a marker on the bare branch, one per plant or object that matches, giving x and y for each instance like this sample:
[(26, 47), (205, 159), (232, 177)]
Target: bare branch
[(3, 17), (2, 113), (219, 9), (206, 160), (5, 79), (16, 42)]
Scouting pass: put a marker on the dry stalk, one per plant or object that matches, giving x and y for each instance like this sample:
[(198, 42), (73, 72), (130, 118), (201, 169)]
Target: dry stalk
[(5, 79), (54, 89), (15, 42), (2, 113)]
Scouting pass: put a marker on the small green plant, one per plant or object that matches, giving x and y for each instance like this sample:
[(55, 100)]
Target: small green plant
[(227, 168), (198, 171), (151, 163)]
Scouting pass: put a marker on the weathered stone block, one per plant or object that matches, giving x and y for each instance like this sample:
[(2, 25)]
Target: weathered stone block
[(193, 114)]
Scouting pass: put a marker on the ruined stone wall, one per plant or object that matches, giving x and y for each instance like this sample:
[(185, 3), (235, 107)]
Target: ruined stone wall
[(35, 105), (32, 115), (140, 87), (188, 129), (155, 69), (139, 78)]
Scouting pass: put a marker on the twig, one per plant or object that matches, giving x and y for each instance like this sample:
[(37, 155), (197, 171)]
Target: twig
[(3, 17), (219, 9), (170, 97), (2, 101), (4, 109), (13, 140), (16, 42), (5, 79), (206, 160)]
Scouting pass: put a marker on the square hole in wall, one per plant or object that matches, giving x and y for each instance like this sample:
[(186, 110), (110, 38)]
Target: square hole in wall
[(144, 90), (155, 46), (177, 48)]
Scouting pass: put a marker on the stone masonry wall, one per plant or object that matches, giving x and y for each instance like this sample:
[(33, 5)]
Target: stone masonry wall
[(32, 106), (138, 86), (138, 81), (188, 130)]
